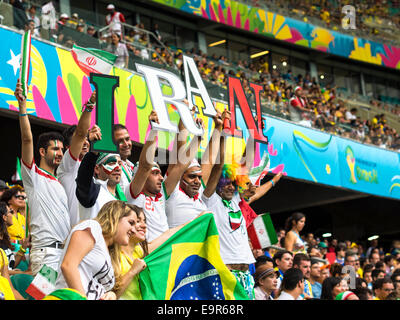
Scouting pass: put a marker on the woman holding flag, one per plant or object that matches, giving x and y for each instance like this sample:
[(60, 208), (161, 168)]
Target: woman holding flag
[(86, 264)]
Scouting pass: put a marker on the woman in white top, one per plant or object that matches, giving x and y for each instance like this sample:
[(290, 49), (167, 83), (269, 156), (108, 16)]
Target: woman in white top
[(294, 224), (86, 264)]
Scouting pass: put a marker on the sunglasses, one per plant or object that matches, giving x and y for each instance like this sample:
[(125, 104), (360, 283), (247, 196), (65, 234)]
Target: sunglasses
[(20, 197)]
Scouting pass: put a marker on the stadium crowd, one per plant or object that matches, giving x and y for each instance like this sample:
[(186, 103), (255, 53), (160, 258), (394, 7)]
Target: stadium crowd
[(298, 97), (93, 217)]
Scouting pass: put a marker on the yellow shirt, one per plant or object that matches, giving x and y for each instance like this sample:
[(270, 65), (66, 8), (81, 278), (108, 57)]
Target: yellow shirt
[(17, 229), (5, 287), (133, 291)]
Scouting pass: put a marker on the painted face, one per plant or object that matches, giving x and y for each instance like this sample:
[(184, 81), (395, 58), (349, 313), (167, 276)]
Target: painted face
[(191, 181), (54, 153), (228, 191), (110, 170), (125, 229), (124, 143)]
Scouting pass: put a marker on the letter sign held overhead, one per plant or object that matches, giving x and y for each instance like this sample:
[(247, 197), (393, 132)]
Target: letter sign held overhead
[(159, 100)]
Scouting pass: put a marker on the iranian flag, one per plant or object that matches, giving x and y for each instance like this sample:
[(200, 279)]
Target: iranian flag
[(262, 232), (17, 175), (25, 61), (92, 60), (43, 283)]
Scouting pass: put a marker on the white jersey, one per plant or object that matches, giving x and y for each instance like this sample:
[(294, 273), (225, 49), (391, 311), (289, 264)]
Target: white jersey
[(67, 173), (127, 173), (48, 206), (234, 243), (95, 269), (180, 208), (103, 197), (154, 210)]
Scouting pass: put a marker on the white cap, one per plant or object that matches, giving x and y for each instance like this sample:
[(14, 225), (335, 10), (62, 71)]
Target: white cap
[(75, 15), (64, 15), (110, 6)]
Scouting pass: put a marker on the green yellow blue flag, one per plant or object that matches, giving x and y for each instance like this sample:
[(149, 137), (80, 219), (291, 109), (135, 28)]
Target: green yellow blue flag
[(188, 266)]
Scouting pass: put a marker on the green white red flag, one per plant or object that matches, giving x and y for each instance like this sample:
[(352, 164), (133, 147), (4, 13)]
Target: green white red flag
[(43, 283), (25, 61), (261, 232), (92, 60)]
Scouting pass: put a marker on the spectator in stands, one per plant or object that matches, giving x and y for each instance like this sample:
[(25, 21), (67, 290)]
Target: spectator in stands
[(293, 226), (315, 276), (283, 260), (77, 140), (91, 31), (363, 293), (331, 287), (265, 282), (49, 216), (8, 291), (298, 105), (292, 285), (340, 251), (303, 262), (114, 20), (19, 15), (382, 288), (73, 22), (6, 221), (185, 202), (120, 50), (88, 249), (3, 187), (221, 195), (15, 199), (396, 281), (124, 143), (31, 15), (374, 257), (377, 274)]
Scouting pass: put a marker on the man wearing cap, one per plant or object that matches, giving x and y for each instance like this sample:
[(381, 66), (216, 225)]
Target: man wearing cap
[(149, 190), (185, 203), (265, 282), (3, 187), (297, 105), (114, 19)]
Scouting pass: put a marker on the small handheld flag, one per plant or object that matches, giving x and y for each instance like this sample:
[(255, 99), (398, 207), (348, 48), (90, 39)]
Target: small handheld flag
[(92, 60), (25, 61), (261, 232)]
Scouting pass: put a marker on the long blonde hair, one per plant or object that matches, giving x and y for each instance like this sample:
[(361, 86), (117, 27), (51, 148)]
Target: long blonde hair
[(108, 217)]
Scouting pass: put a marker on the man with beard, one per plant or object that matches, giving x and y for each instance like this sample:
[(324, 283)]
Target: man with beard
[(124, 144), (76, 140), (185, 203), (47, 199)]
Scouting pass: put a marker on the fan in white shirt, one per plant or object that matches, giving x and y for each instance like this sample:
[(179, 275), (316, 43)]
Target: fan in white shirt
[(47, 199), (148, 190)]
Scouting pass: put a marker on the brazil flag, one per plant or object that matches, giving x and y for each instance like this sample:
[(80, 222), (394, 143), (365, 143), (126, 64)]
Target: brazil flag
[(188, 266)]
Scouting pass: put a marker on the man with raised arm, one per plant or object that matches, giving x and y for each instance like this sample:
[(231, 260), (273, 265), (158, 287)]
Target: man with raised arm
[(124, 143), (221, 195), (185, 202), (47, 199), (149, 190), (76, 140)]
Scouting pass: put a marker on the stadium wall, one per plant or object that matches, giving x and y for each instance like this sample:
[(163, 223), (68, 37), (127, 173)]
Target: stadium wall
[(59, 88)]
